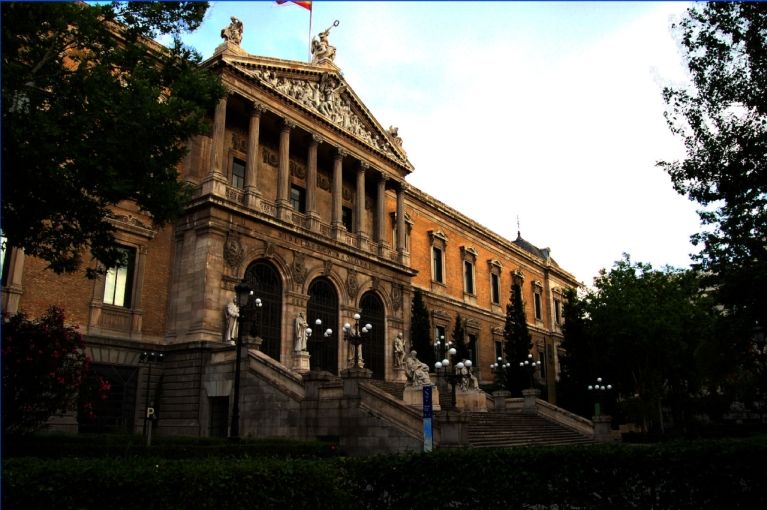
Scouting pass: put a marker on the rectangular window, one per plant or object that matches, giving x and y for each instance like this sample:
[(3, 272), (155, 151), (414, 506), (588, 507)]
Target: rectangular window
[(498, 350), (437, 265), (118, 286), (238, 173), (346, 217), (468, 277), (542, 358), (537, 298), (495, 288), (557, 311), (298, 198)]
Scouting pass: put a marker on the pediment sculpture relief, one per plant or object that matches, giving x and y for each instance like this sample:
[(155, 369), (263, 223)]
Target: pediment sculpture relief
[(327, 98)]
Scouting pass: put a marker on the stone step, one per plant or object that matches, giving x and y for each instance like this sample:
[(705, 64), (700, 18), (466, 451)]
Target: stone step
[(508, 429)]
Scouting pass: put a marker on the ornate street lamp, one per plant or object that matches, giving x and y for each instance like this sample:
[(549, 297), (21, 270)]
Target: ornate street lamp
[(356, 335), (452, 375), (326, 334), (149, 415), (243, 292), (530, 365), (598, 390)]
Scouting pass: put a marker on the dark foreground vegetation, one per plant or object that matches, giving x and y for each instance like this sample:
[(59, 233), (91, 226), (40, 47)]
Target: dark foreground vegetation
[(184, 474)]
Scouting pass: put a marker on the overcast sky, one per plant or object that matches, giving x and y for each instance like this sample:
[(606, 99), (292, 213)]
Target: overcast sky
[(544, 110)]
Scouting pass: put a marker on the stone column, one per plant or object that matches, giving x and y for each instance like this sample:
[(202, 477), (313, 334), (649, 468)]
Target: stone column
[(531, 396), (283, 177), (251, 166), (219, 131), (362, 235), (336, 224), (401, 226), (380, 233), (312, 216)]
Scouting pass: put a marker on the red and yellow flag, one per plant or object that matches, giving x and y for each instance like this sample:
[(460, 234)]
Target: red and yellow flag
[(305, 4)]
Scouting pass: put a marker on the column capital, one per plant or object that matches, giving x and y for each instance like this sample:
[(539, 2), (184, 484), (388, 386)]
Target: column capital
[(341, 153), (383, 178), (287, 125), (258, 109), (317, 139), (364, 166)]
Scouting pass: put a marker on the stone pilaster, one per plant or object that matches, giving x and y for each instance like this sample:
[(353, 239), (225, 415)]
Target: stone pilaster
[(380, 233), (401, 226), (312, 216), (251, 168), (336, 224), (359, 220), (283, 177)]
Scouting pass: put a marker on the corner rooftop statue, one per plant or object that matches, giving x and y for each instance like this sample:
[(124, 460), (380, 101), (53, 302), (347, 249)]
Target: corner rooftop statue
[(322, 51)]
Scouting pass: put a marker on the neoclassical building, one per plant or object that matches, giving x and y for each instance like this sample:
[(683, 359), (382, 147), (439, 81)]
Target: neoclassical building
[(303, 194)]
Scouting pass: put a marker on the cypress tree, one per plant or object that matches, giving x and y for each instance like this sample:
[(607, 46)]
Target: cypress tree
[(420, 330), (518, 341)]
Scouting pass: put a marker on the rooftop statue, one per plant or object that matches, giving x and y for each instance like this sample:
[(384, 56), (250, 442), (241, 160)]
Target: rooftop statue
[(322, 51), (233, 33)]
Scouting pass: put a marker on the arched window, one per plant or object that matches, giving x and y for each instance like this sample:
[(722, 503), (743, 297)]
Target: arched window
[(267, 285), (374, 350), (323, 305)]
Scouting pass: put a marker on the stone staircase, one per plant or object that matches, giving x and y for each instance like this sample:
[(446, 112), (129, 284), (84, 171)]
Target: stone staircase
[(513, 428), (394, 389)]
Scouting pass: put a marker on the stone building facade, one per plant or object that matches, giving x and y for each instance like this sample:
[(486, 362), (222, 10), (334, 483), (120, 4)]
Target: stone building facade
[(303, 194)]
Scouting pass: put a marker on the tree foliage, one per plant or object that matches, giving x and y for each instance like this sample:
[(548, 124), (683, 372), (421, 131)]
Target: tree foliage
[(518, 341), (722, 119), (44, 368), (646, 332), (420, 330), (94, 113), (459, 340)]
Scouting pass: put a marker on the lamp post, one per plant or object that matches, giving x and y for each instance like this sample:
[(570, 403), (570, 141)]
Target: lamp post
[(326, 334), (149, 414), (355, 335), (452, 376), (243, 292), (598, 390), (530, 365)]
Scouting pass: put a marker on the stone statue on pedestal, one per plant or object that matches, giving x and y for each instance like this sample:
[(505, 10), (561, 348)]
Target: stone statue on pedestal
[(417, 371), (233, 33), (399, 352), (232, 312), (300, 326)]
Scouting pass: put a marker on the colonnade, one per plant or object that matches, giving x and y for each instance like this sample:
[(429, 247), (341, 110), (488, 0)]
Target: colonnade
[(284, 209)]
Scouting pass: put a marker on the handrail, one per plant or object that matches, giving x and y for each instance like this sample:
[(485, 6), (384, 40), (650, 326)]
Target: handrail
[(277, 374), (565, 417), (383, 405)]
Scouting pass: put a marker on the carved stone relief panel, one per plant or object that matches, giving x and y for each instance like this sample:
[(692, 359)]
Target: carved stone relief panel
[(299, 268), (396, 296), (233, 250), (351, 283)]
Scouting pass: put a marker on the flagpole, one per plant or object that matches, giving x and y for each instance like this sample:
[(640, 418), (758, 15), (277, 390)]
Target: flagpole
[(311, 11)]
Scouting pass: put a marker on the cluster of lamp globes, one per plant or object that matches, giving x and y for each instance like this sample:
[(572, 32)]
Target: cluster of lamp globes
[(348, 327), (318, 322), (500, 364), (529, 362), (599, 386), (446, 362)]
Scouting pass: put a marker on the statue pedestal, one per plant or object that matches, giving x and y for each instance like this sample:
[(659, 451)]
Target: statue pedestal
[(471, 401), (413, 396), (301, 361), (531, 396), (400, 375), (499, 398), (602, 432)]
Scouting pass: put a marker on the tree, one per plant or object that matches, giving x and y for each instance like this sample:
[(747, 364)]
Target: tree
[(44, 368), (518, 341), (95, 113), (579, 359), (420, 330), (643, 331), (459, 340), (722, 119)]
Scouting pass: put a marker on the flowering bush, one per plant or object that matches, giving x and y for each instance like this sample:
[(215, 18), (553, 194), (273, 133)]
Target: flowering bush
[(44, 367)]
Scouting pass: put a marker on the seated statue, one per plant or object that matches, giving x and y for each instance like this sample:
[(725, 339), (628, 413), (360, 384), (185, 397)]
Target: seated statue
[(416, 371)]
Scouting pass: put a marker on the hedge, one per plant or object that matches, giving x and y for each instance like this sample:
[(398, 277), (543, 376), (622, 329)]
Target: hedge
[(711, 475)]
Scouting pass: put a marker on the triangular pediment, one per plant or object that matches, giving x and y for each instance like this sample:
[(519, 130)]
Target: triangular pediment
[(323, 91)]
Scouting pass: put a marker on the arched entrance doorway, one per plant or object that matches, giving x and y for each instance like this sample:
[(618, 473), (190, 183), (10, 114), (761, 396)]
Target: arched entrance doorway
[(374, 350), (323, 305), (265, 281)]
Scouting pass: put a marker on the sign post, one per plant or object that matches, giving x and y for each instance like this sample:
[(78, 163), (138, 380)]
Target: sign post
[(427, 416)]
